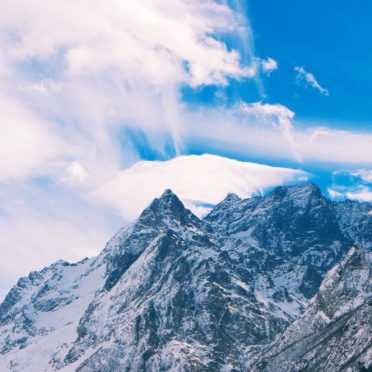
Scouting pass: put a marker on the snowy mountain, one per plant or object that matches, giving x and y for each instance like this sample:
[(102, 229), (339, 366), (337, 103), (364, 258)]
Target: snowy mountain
[(335, 332), (174, 292)]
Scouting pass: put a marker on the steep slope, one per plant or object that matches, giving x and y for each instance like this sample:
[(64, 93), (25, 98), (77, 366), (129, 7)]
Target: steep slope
[(335, 332), (40, 315), (355, 220), (178, 305), (288, 240), (165, 297), (173, 292)]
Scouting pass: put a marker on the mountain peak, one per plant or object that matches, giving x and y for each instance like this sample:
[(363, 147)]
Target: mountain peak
[(167, 201), (308, 187), (231, 197), (311, 187), (169, 209), (169, 292), (168, 193)]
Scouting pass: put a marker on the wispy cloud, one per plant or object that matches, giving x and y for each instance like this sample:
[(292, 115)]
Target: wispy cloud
[(364, 174), (271, 132), (277, 116), (73, 74), (40, 225), (308, 79), (105, 64)]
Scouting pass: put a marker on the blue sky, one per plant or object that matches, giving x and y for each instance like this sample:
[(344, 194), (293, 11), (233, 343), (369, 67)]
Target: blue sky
[(102, 106), (330, 39)]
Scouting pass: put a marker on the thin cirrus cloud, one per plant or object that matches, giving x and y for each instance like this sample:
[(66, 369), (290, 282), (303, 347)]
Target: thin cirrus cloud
[(308, 79), (357, 192), (270, 131)]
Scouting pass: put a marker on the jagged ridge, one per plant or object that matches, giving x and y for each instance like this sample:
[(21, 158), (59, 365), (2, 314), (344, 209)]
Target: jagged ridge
[(171, 291)]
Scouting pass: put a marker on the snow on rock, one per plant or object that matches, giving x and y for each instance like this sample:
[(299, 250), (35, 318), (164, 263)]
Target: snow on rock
[(171, 291), (335, 331)]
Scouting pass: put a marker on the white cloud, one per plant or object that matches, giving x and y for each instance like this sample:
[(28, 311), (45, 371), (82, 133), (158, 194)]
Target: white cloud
[(334, 194), (363, 194), (276, 115), (161, 43), (43, 86), (76, 174), (356, 187), (304, 77), (107, 64), (270, 131), (27, 143), (269, 65), (364, 174), (197, 180)]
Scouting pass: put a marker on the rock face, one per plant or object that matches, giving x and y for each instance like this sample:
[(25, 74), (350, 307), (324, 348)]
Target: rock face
[(335, 332), (173, 292)]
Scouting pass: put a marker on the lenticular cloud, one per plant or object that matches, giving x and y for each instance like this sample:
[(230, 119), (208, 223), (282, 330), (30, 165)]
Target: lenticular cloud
[(200, 181)]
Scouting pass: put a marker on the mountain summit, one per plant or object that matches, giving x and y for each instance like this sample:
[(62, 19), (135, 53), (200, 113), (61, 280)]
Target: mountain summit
[(173, 292)]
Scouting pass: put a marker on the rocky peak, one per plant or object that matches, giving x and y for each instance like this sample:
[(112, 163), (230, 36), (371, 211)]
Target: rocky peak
[(172, 292), (164, 214), (355, 220), (167, 210), (346, 286), (300, 193), (231, 198)]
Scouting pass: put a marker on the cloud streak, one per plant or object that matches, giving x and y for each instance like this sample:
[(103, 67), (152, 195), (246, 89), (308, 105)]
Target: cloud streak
[(271, 132), (308, 79)]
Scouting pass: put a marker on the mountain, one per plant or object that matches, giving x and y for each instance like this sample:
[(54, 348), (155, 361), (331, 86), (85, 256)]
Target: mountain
[(173, 292), (335, 332)]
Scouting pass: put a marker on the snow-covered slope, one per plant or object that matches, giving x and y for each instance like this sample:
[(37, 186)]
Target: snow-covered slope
[(173, 292), (40, 315), (335, 332)]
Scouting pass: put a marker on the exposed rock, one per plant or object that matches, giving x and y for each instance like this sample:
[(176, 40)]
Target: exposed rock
[(173, 292)]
